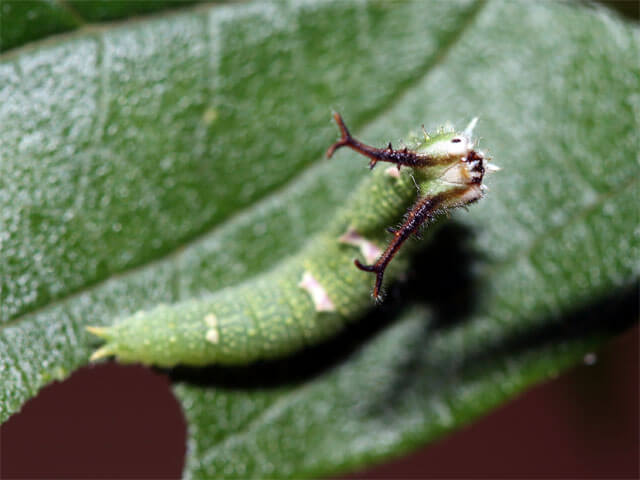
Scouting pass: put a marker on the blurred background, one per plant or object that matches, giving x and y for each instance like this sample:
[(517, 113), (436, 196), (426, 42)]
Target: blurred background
[(584, 424)]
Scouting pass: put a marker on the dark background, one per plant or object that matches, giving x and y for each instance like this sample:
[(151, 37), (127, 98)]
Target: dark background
[(111, 421)]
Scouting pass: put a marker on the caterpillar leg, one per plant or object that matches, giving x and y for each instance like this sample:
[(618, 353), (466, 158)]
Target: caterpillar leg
[(425, 209), (398, 157)]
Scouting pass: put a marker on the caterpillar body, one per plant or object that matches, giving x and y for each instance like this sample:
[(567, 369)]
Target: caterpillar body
[(313, 294)]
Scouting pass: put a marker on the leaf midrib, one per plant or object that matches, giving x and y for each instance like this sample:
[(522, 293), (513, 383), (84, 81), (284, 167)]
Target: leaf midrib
[(87, 28), (375, 114), (77, 17)]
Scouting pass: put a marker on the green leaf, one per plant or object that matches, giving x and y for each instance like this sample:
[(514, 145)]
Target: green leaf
[(101, 10), (157, 160), (23, 21)]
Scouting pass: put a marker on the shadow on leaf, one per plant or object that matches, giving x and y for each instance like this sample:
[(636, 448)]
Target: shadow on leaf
[(441, 280)]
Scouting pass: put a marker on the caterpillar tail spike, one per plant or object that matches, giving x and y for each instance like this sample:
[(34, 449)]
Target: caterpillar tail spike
[(102, 332), (107, 349), (103, 352)]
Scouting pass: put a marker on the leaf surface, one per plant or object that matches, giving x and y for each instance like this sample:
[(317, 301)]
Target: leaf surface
[(182, 154), (23, 21)]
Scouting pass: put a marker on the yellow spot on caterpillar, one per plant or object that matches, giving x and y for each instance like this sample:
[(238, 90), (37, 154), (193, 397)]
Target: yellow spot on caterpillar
[(210, 115), (211, 320), (369, 249), (318, 294), (212, 335)]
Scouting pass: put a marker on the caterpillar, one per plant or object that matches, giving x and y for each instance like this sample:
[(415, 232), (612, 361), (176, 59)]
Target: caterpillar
[(314, 293)]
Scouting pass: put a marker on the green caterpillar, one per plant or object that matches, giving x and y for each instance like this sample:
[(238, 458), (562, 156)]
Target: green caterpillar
[(313, 294)]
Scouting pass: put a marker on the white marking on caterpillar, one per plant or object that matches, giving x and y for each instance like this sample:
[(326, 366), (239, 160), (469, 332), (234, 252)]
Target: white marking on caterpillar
[(393, 172), (211, 320), (318, 294), (369, 249), (212, 335)]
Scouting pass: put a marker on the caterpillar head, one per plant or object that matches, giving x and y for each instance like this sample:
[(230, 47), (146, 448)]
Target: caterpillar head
[(463, 164)]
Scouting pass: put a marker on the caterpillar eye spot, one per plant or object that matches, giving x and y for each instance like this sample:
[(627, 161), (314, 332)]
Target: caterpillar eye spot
[(456, 140)]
